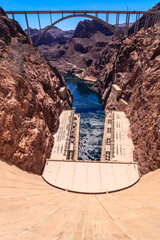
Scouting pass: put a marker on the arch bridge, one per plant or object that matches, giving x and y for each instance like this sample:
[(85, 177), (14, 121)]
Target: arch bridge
[(93, 14)]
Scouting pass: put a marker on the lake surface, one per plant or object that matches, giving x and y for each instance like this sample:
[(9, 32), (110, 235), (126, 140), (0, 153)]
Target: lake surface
[(87, 102)]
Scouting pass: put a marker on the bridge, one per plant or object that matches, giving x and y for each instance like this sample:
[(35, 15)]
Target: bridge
[(92, 14)]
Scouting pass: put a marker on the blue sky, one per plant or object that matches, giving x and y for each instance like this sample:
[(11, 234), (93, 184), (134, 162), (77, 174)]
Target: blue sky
[(71, 5)]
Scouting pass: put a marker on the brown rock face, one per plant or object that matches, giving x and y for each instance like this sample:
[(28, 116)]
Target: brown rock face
[(54, 36), (152, 19), (137, 72), (30, 104), (77, 55)]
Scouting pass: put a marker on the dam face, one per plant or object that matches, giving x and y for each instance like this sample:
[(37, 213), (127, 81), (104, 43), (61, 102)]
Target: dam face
[(113, 170), (32, 209)]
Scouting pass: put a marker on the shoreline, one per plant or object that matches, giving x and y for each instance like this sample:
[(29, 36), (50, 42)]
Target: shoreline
[(89, 79)]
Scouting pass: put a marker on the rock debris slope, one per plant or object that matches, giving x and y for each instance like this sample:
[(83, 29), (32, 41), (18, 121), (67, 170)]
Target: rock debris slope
[(30, 104), (135, 68)]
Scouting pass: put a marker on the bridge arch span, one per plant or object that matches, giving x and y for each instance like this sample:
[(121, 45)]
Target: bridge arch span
[(80, 15)]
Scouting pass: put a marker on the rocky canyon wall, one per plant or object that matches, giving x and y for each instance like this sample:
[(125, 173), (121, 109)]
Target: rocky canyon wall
[(135, 68), (30, 103)]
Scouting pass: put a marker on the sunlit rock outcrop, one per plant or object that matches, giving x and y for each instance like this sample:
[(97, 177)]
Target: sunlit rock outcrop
[(30, 104), (135, 68)]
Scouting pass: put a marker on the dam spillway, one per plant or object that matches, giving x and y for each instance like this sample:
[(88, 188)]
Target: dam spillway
[(111, 168), (110, 174), (117, 143), (66, 142)]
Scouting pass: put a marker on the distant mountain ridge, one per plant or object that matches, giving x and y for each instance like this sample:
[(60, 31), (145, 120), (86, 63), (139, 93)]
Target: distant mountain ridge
[(52, 36), (73, 51), (86, 28), (76, 51)]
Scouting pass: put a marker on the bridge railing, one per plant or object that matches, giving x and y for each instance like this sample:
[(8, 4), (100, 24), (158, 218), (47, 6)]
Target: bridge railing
[(93, 13)]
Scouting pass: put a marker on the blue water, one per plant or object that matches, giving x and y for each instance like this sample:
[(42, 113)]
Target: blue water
[(87, 102)]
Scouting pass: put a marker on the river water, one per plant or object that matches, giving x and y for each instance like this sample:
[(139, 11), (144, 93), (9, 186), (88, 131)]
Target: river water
[(87, 102)]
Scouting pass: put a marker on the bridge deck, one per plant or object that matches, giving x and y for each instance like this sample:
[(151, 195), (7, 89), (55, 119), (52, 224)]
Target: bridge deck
[(75, 11)]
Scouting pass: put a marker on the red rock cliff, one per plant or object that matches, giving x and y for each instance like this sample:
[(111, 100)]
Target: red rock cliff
[(137, 72), (30, 104)]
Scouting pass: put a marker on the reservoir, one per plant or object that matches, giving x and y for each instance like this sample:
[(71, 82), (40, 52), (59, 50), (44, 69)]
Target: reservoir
[(88, 104)]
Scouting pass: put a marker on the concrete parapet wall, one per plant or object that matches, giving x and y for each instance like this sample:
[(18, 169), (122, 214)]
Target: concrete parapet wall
[(117, 91), (90, 177)]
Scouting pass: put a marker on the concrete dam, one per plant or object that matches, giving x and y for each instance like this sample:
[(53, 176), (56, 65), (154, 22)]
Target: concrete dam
[(114, 170), (32, 209), (90, 193)]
